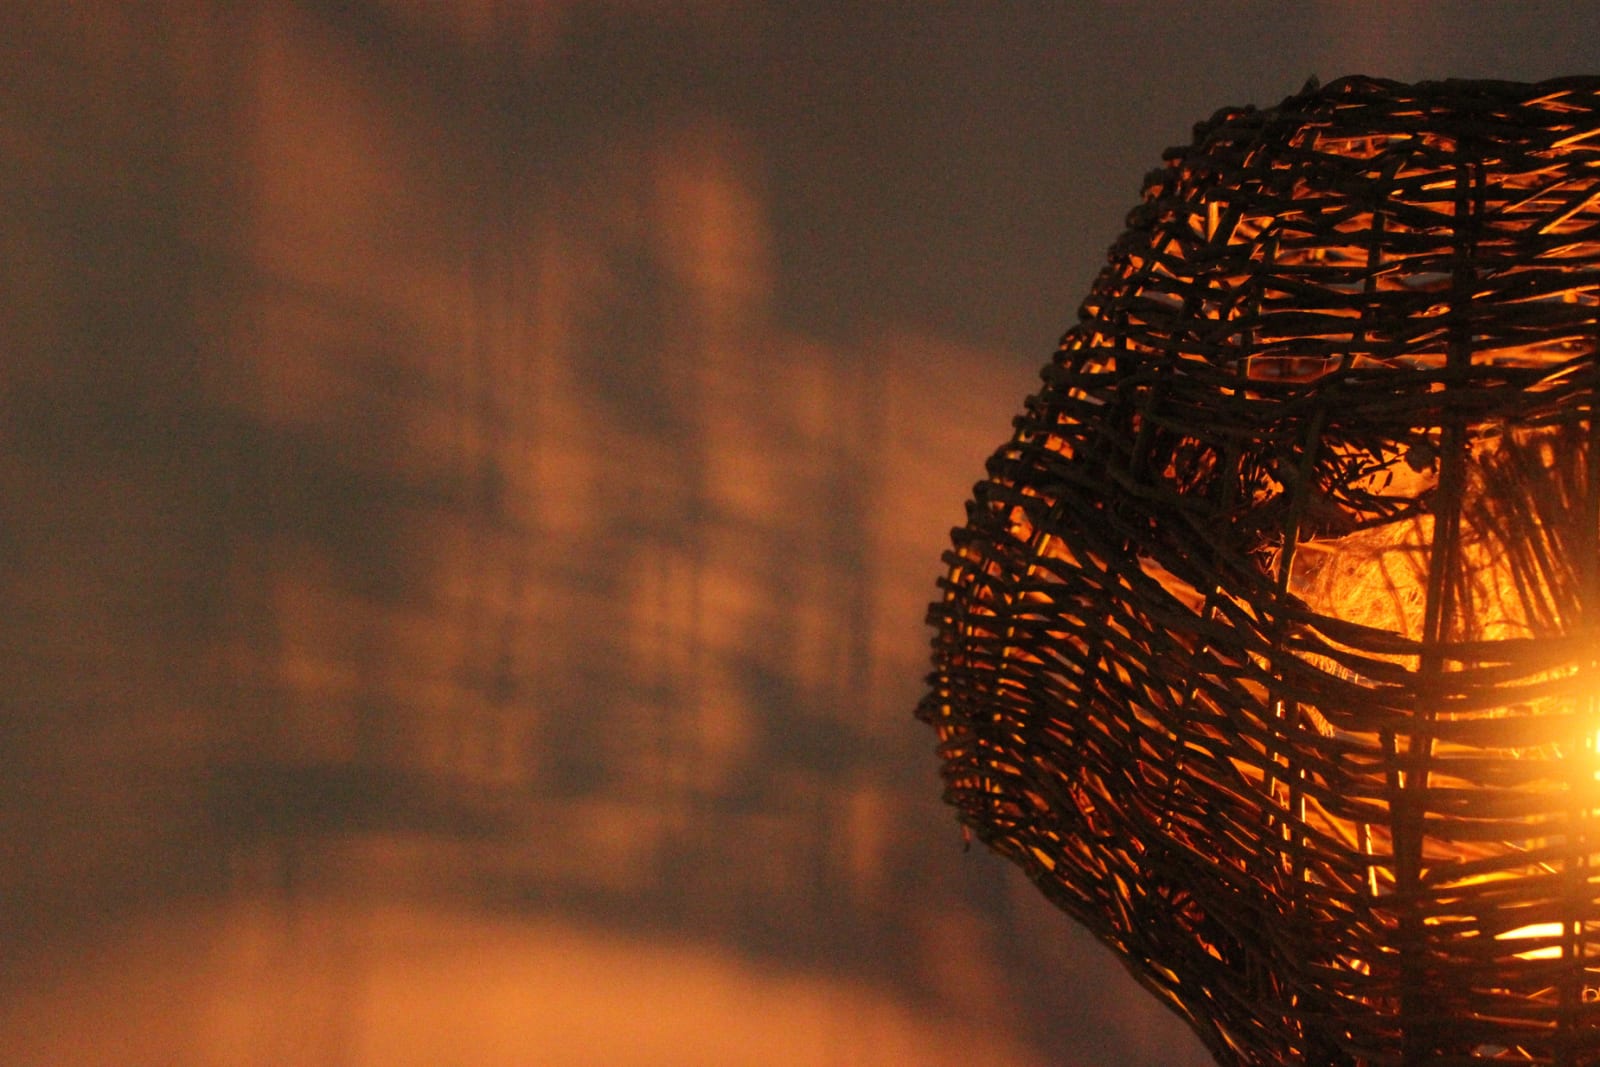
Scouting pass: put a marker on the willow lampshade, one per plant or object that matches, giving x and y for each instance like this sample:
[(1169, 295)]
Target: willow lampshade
[(1271, 646)]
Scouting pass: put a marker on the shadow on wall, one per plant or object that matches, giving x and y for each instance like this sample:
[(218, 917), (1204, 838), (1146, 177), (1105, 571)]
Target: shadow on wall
[(447, 619)]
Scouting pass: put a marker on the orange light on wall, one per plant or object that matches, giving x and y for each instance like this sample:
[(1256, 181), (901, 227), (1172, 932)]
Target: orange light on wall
[(1271, 647)]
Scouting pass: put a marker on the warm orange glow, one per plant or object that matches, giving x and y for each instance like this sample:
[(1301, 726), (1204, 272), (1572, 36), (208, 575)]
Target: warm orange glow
[(1540, 931), (409, 986)]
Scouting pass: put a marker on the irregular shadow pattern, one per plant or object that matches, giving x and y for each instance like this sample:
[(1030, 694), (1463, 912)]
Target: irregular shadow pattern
[(1269, 648)]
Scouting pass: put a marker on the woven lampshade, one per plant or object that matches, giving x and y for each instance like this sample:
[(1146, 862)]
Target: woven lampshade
[(1271, 646)]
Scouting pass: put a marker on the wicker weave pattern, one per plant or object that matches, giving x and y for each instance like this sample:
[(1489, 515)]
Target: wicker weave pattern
[(1269, 648)]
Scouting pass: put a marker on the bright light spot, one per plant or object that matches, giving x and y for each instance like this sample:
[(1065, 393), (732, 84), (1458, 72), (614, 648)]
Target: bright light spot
[(1535, 930)]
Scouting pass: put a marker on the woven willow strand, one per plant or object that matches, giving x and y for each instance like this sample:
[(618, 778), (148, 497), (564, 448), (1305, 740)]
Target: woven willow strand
[(1269, 648)]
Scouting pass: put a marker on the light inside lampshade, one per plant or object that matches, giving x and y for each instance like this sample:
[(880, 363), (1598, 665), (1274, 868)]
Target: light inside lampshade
[(1540, 932), (1270, 648)]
